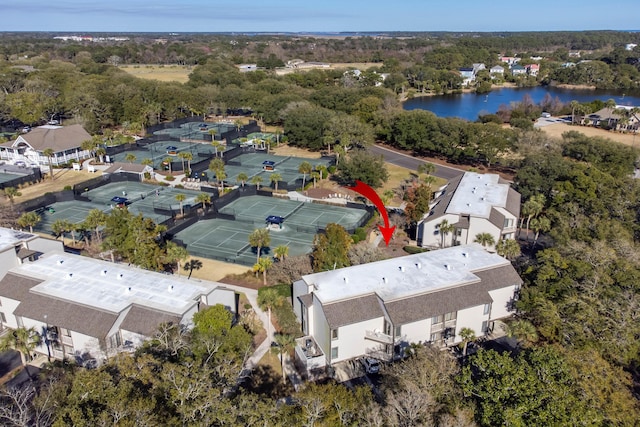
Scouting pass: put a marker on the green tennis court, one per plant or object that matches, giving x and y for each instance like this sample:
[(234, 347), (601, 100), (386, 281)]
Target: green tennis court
[(130, 189), (6, 177), (72, 211)]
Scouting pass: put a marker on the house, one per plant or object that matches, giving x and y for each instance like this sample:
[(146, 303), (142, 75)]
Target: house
[(518, 70), (65, 141), (130, 168), (496, 70), (478, 67), (509, 60), (467, 75), (473, 203), (379, 309), (630, 46), (532, 69), (247, 67), (622, 118), (89, 309)]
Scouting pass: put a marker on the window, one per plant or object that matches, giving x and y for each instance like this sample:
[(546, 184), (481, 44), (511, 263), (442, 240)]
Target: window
[(508, 222), (487, 308), (435, 337), (334, 334), (450, 316), (436, 319), (484, 327), (398, 331), (334, 353), (2, 317), (458, 231), (65, 332)]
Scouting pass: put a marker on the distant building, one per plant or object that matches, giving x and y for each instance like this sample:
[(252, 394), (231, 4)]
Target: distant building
[(247, 67), (467, 75), (630, 46), (473, 203), (496, 70), (518, 70), (509, 60), (532, 69)]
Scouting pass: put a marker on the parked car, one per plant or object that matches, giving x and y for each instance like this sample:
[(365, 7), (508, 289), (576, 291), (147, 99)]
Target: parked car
[(53, 122), (26, 129), (371, 366)]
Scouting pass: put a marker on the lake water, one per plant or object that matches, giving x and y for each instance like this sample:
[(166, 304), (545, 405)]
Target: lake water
[(469, 105)]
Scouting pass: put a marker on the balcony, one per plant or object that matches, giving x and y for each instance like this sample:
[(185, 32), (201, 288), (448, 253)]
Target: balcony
[(67, 340), (378, 337)]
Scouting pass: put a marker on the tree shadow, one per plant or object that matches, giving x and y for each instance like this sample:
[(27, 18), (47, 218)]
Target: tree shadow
[(264, 380)]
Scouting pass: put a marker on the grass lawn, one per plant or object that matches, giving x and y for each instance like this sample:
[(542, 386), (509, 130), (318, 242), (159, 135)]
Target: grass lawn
[(63, 178), (163, 73), (397, 175)]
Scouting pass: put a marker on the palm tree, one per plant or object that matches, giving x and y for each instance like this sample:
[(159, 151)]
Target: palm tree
[(262, 266), (242, 178), (167, 161), (48, 153), (275, 178), (281, 252), (304, 168), (538, 225), (203, 198), (316, 176), (100, 152), (59, 227), (574, 104), (94, 221), (485, 239), (24, 341), (217, 166), (267, 300), (182, 158), (286, 343), (11, 193), (146, 162), (340, 152), (532, 208), (508, 248), (445, 228), (468, 335), (258, 239), (217, 145), (256, 180), (523, 330), (193, 264), (181, 198), (188, 156), (29, 219), (176, 253)]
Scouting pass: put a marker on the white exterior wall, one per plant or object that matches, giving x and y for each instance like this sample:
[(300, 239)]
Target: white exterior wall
[(45, 245), (299, 288), (481, 225), (351, 340), (8, 307), (226, 297), (470, 318), (135, 338), (502, 300), (83, 344), (320, 330), (8, 260), (416, 331), (187, 318), (429, 227)]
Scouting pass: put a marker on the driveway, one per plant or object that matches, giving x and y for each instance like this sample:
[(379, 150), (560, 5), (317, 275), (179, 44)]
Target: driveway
[(410, 162)]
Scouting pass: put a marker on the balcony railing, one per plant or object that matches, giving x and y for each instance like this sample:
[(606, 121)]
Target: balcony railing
[(378, 336), (66, 340)]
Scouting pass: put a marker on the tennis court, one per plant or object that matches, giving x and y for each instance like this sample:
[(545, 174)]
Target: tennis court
[(197, 130), (158, 151), (6, 177), (228, 240), (132, 190), (72, 211)]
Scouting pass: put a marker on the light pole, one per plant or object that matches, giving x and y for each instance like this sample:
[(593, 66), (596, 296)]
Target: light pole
[(46, 337)]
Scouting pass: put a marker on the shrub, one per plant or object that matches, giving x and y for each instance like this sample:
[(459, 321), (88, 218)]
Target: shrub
[(359, 235), (169, 178), (67, 188), (179, 186), (414, 250), (332, 169)]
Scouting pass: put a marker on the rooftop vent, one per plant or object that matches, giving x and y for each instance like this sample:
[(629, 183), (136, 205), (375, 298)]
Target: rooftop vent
[(103, 272), (468, 204), (418, 265), (482, 198), (401, 268), (60, 261), (128, 290), (346, 279), (384, 280), (120, 276), (464, 254), (69, 275), (170, 288), (448, 267)]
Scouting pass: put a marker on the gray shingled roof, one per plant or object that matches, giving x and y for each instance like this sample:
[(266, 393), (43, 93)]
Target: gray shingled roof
[(17, 287), (513, 202), (306, 299), (125, 167), (352, 311), (76, 317), (496, 218), (424, 306), (145, 321), (444, 200), (56, 138)]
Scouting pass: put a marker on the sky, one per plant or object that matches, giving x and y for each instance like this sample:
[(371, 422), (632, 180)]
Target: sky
[(72, 16)]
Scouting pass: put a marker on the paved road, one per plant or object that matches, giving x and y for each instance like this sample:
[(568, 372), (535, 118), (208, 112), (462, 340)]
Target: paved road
[(409, 162), (9, 360)]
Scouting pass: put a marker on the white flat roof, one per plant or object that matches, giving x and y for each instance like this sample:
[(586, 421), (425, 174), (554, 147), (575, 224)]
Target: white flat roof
[(110, 287), (405, 276), (477, 194), (10, 238)]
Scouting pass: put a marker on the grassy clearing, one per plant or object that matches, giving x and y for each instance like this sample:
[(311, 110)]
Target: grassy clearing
[(63, 178), (163, 73), (397, 175)]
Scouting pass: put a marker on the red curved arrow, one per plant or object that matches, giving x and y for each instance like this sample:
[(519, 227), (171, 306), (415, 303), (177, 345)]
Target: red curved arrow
[(371, 194)]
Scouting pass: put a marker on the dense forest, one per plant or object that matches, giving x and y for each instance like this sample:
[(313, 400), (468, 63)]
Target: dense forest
[(577, 326)]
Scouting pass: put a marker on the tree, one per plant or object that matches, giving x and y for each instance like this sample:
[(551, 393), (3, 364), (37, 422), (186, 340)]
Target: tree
[(468, 335), (573, 104), (281, 252), (532, 208), (331, 249), (268, 298), (177, 254), (24, 341), (523, 330), (362, 166), (181, 198), (256, 180), (49, 153), (167, 161), (263, 264), (95, 220), (130, 158), (242, 178), (29, 219), (316, 176), (203, 198), (275, 178), (444, 229), (538, 225), (305, 168), (259, 239), (285, 343), (59, 227), (192, 264), (485, 239), (11, 193), (217, 167), (418, 200), (508, 248)]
